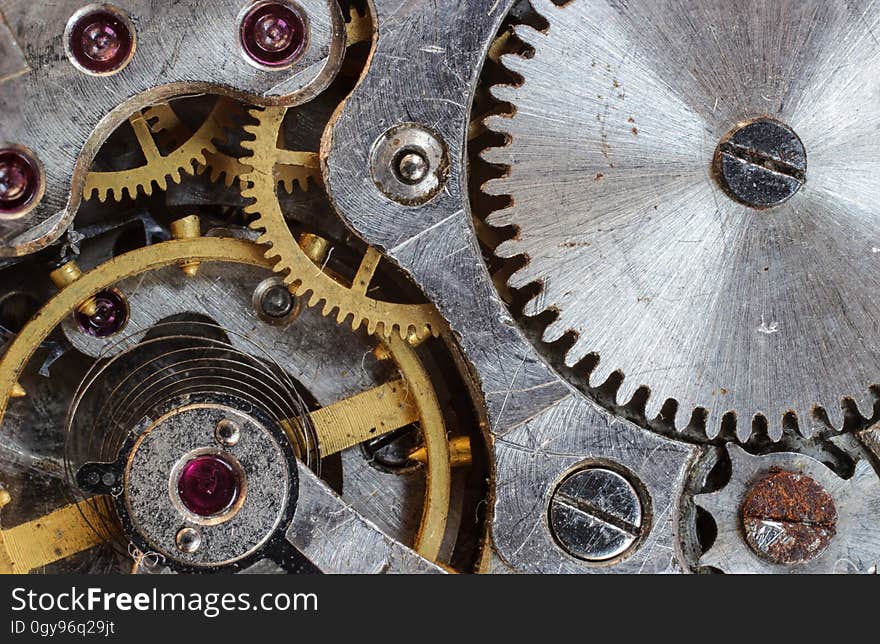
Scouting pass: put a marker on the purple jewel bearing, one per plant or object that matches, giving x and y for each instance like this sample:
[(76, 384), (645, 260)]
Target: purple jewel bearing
[(273, 34), (111, 314), (19, 181), (100, 41)]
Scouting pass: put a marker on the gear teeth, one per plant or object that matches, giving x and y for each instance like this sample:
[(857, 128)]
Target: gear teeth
[(259, 186), (290, 177), (545, 7), (835, 416), (625, 392), (805, 422), (496, 156), (653, 406), (358, 27), (499, 123), (497, 188), (865, 404), (515, 64), (502, 94), (554, 331), (509, 249), (503, 156), (529, 35), (775, 430), (600, 373), (184, 160)]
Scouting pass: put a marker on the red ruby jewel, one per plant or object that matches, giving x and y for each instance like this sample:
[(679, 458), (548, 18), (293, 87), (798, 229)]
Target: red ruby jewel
[(101, 41), (207, 485), (19, 180), (273, 34)]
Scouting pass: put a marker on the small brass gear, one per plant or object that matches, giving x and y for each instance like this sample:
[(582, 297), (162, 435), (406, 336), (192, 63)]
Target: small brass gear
[(219, 166), (358, 27), (194, 152), (259, 185)]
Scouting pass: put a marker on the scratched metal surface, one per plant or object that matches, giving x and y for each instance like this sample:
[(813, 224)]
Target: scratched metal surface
[(64, 115), (329, 360), (668, 280), (425, 70), (338, 540), (540, 425)]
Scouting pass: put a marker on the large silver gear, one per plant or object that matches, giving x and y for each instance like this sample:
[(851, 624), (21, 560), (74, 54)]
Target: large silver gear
[(635, 245)]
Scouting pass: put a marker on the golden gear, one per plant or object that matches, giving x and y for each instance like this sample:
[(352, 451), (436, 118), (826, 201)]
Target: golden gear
[(341, 425), (358, 27), (418, 320), (158, 168), (172, 132)]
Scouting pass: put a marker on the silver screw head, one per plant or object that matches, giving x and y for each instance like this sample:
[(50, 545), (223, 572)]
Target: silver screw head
[(188, 540), (277, 301), (412, 167), (227, 432), (274, 303), (409, 164), (596, 515)]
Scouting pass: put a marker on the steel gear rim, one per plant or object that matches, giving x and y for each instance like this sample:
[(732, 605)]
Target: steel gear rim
[(774, 391)]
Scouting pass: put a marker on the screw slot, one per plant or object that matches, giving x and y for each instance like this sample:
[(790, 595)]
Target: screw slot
[(761, 164), (596, 515), (788, 518)]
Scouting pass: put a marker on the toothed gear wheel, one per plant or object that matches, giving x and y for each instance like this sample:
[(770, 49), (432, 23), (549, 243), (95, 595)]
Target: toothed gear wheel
[(187, 158), (218, 165), (616, 152), (300, 273), (789, 513)]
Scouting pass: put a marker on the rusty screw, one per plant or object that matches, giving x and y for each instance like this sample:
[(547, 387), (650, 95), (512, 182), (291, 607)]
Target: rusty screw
[(788, 518)]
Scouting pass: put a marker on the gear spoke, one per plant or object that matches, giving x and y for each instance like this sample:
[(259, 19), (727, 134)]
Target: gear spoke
[(145, 138), (367, 415), (158, 169), (297, 158), (366, 271), (60, 534)]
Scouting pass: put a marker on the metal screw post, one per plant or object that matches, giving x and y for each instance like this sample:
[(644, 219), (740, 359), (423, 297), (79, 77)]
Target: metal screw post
[(409, 164), (277, 301), (596, 515), (412, 167), (188, 540), (227, 432)]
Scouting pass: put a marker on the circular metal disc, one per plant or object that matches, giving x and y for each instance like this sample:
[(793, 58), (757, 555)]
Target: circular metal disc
[(645, 257)]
